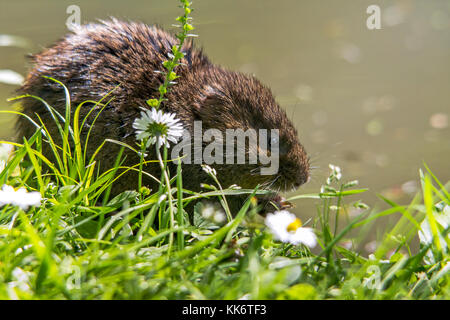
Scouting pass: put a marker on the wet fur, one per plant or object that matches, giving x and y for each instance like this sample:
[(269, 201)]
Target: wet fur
[(96, 58)]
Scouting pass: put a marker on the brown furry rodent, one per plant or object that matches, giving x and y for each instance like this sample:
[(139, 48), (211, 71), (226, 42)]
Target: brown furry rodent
[(96, 58)]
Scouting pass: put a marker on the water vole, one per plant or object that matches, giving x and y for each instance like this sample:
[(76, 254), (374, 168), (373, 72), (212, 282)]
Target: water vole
[(96, 58)]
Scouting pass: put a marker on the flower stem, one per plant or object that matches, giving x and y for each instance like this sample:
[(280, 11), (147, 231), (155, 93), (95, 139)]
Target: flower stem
[(163, 165), (141, 162), (176, 55)]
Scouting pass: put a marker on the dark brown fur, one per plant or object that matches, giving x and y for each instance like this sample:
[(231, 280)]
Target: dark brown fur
[(92, 61)]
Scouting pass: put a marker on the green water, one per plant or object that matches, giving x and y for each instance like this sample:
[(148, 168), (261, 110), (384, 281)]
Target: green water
[(375, 102)]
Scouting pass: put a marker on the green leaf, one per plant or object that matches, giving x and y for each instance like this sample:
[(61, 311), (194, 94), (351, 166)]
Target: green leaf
[(172, 76), (118, 200), (162, 89)]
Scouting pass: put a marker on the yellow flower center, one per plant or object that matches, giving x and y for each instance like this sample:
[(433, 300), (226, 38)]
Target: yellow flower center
[(292, 227)]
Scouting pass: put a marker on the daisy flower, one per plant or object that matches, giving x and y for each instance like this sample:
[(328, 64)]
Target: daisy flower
[(20, 198), (286, 227), (158, 127)]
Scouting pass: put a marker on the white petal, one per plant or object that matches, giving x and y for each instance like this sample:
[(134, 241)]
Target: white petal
[(305, 236), (278, 223)]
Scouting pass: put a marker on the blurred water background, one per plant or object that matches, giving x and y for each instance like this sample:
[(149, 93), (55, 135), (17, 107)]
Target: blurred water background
[(374, 102)]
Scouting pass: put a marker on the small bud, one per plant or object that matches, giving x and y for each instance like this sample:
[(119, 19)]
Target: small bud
[(326, 189), (361, 205), (145, 191), (350, 184), (188, 27), (153, 103)]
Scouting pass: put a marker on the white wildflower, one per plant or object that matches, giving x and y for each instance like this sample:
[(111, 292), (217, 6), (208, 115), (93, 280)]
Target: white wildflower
[(336, 173), (20, 198), (158, 127), (210, 171), (212, 212), (286, 227), (208, 211), (219, 217), (21, 279)]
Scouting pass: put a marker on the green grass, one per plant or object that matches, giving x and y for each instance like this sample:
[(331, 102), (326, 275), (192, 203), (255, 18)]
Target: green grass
[(81, 243), (75, 247)]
